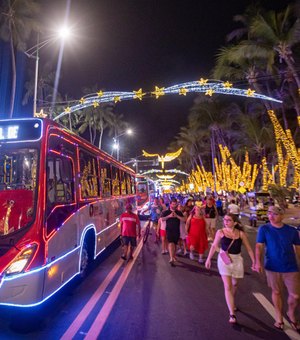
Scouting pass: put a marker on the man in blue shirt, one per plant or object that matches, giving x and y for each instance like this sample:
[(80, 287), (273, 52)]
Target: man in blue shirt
[(282, 245)]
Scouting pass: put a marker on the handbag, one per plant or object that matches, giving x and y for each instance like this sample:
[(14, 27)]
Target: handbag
[(225, 255)]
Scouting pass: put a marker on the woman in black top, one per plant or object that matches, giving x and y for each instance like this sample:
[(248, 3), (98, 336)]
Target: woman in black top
[(230, 238)]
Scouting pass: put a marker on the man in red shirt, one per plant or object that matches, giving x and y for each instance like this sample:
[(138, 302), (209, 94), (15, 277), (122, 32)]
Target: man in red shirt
[(129, 222)]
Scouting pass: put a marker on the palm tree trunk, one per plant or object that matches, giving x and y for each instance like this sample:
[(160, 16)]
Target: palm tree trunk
[(91, 135), (100, 137)]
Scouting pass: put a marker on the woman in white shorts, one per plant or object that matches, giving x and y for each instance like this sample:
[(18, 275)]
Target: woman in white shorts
[(161, 232), (230, 238)]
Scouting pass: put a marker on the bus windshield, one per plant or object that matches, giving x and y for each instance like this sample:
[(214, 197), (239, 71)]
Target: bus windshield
[(18, 181)]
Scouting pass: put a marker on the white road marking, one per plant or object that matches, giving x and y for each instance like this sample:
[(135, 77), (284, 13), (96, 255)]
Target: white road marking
[(81, 317), (101, 318), (270, 309)]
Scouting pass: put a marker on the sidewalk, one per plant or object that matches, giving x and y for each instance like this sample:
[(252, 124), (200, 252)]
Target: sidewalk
[(291, 215)]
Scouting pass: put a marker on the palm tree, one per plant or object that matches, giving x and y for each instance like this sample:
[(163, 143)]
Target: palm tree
[(279, 33), (17, 21), (98, 118)]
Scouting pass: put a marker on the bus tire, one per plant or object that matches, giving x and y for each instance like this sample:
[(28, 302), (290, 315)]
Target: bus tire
[(86, 256)]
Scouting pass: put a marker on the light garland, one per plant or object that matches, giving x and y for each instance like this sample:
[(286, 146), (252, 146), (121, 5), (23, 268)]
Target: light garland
[(207, 86)]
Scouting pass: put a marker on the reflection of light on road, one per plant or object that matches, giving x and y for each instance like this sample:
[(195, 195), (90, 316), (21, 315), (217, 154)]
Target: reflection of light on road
[(270, 309)]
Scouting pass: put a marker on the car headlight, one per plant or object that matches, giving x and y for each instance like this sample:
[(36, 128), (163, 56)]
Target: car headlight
[(21, 261)]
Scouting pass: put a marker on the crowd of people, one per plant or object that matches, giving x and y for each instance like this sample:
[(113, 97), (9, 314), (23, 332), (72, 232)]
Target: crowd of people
[(189, 229)]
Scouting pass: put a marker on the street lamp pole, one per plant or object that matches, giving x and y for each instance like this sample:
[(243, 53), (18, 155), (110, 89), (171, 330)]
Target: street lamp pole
[(116, 144), (33, 52), (36, 76)]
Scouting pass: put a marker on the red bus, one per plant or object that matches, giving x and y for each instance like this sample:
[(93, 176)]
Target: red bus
[(60, 199)]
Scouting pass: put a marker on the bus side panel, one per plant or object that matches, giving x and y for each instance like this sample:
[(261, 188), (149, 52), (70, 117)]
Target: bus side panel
[(114, 209), (64, 252)]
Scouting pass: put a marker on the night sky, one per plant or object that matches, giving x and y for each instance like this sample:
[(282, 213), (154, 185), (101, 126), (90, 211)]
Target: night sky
[(130, 44)]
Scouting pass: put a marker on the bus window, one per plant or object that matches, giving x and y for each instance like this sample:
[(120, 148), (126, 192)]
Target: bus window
[(115, 181), (60, 185), (123, 182), (60, 190), (133, 191), (18, 170), (88, 175), (105, 177), (128, 183)]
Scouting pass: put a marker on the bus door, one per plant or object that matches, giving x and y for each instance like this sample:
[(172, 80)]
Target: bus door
[(60, 195)]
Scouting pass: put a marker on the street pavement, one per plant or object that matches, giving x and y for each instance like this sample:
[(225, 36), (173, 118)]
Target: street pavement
[(148, 299)]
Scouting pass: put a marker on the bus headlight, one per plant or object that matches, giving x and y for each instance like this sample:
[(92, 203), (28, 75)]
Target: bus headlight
[(21, 261)]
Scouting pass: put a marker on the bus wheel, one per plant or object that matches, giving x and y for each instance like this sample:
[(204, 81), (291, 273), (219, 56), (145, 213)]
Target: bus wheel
[(85, 260)]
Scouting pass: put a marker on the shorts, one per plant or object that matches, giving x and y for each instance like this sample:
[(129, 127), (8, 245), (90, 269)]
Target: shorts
[(211, 223), (291, 281), (129, 239), (172, 237), (162, 233), (234, 269), (154, 225)]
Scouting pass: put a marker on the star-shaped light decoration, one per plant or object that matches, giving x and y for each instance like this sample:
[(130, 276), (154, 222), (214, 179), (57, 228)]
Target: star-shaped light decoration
[(68, 109), (100, 93), (138, 94), (250, 93), (227, 85), (117, 99), (183, 91), (158, 92), (202, 81), (40, 114), (82, 100), (95, 104), (209, 92)]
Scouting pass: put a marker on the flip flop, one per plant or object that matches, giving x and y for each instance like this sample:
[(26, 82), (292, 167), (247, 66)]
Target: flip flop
[(232, 319), (279, 325), (295, 325)]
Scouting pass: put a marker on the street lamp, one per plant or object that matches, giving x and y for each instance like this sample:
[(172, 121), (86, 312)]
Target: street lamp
[(33, 52), (116, 144)]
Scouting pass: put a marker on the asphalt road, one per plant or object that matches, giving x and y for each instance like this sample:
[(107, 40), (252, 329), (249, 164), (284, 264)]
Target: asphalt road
[(148, 299)]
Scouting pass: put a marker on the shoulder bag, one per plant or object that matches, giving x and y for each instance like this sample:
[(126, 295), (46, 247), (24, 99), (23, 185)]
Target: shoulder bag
[(225, 255)]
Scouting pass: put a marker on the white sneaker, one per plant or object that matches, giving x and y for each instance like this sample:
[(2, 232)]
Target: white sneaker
[(201, 260), (179, 251), (192, 256)]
